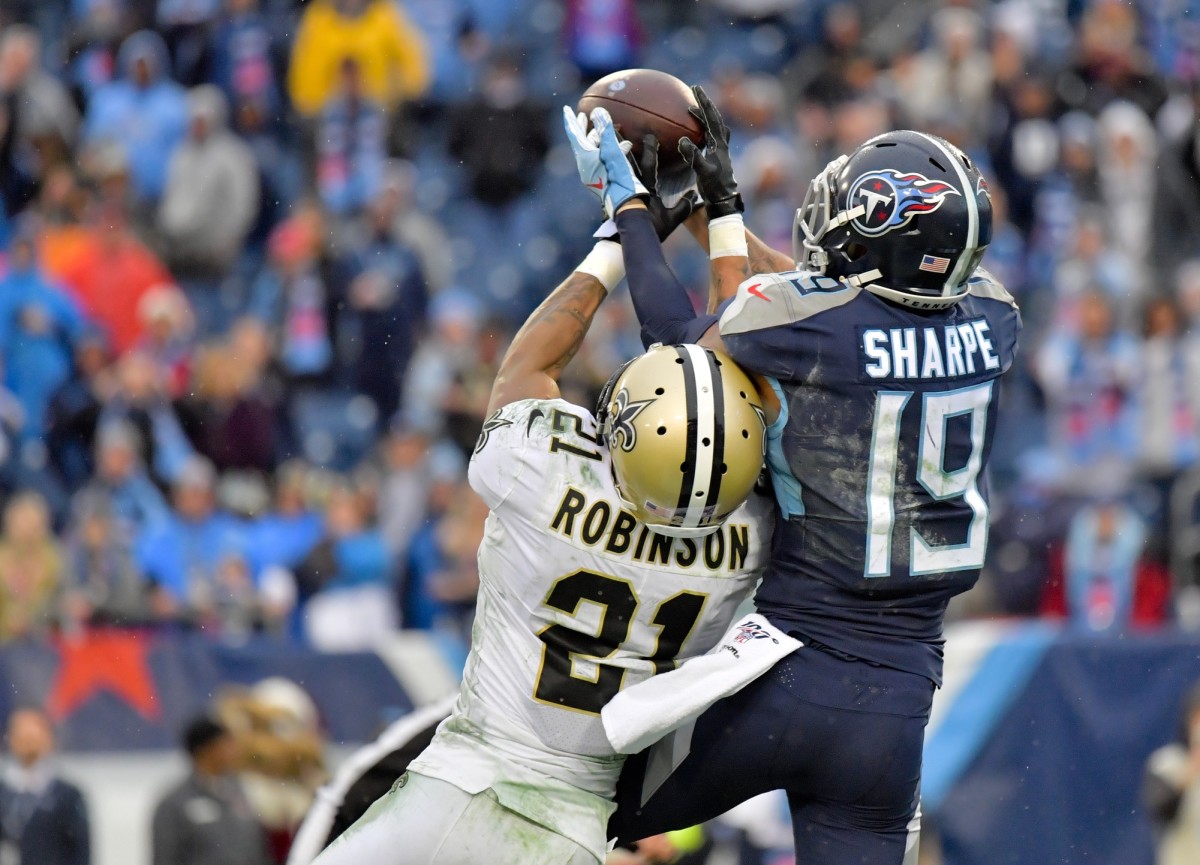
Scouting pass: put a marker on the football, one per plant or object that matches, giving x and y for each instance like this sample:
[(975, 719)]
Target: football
[(645, 101)]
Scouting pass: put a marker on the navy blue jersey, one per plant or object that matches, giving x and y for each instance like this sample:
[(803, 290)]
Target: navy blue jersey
[(877, 458)]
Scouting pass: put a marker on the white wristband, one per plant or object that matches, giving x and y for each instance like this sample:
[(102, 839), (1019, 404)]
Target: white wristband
[(606, 263), (727, 236)]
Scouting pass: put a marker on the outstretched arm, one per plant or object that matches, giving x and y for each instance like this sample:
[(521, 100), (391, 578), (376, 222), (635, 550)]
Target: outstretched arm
[(763, 259), (660, 300), (554, 331)]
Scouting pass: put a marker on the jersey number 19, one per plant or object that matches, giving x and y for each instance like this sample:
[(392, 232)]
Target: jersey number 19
[(936, 411)]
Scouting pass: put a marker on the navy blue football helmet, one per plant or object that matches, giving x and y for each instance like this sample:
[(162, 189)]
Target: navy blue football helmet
[(906, 216)]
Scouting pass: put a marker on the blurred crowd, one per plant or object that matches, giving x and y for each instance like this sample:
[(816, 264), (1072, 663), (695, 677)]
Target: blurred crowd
[(262, 257)]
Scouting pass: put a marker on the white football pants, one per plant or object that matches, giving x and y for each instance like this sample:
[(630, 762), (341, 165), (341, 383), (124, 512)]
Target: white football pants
[(427, 821)]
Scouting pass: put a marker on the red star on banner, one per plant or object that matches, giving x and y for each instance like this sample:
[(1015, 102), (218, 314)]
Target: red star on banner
[(110, 661)]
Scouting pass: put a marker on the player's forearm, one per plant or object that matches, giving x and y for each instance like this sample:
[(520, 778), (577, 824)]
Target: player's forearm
[(547, 341), (660, 300), (763, 259), (730, 266)]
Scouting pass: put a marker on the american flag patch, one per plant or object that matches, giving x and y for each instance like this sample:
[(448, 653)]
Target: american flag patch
[(933, 264)]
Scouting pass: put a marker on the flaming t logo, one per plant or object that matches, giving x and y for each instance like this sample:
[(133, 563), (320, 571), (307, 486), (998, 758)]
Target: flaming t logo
[(890, 199)]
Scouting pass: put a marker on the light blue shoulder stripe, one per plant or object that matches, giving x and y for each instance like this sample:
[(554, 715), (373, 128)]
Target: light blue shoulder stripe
[(788, 491)]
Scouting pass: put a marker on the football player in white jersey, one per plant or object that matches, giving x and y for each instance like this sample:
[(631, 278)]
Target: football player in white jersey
[(616, 545)]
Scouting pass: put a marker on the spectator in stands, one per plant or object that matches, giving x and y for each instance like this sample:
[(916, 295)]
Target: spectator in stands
[(103, 583), (1170, 416), (186, 27), (839, 67), (190, 558), (954, 73), (227, 418), (1108, 586), (602, 36), (1128, 159), (47, 118), (287, 533), (1110, 63), (39, 324), (12, 420), (387, 297), (1088, 378), (404, 491), (138, 397), (108, 271), (347, 579), (31, 569), (144, 111), (168, 329), (291, 300), (1091, 264), (769, 173), (385, 48), (210, 199), (43, 818), (442, 388), (411, 226), (134, 502), (419, 604), (1176, 234), (245, 57), (75, 408), (206, 819), (500, 135), (351, 144), (443, 577)]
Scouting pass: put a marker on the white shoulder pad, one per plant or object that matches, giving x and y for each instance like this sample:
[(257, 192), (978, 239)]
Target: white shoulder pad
[(983, 284), (514, 444), (776, 299)]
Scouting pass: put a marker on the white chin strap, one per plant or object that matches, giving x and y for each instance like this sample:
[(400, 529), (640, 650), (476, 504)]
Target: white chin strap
[(906, 298)]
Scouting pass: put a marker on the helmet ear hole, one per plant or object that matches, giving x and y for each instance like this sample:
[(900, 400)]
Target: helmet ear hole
[(854, 251)]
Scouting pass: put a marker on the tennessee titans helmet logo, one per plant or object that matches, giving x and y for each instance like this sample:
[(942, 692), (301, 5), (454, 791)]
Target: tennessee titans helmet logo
[(890, 199), (624, 414)]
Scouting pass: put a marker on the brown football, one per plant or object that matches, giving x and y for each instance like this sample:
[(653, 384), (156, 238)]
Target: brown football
[(643, 101)]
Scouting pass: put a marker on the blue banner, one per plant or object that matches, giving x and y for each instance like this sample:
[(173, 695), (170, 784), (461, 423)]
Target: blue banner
[(115, 690), (1057, 777)]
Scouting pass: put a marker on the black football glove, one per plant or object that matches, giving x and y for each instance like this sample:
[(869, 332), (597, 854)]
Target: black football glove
[(666, 219), (713, 167)]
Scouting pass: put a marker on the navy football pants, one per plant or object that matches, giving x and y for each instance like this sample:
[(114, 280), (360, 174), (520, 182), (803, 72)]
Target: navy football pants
[(842, 738)]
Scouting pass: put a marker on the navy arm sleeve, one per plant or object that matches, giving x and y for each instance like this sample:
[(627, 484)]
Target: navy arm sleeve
[(660, 300)]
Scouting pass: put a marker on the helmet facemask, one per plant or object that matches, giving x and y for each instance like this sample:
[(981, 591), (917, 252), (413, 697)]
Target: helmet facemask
[(815, 216)]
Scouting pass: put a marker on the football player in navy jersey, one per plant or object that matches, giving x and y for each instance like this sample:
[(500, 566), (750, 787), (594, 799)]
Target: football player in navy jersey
[(883, 349)]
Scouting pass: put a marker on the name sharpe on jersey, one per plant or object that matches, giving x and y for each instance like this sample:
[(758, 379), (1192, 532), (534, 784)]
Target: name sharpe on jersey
[(594, 523), (938, 351)]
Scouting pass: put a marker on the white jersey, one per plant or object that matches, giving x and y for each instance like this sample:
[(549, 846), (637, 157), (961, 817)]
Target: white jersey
[(577, 600)]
